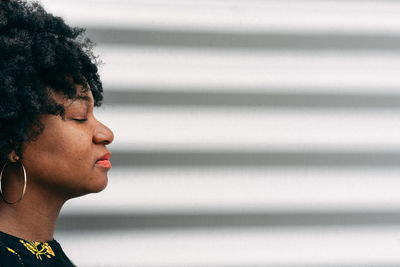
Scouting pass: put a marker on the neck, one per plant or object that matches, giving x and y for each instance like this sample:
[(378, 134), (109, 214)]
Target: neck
[(33, 218)]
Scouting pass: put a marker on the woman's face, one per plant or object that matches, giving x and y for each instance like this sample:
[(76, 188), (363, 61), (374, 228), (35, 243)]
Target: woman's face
[(63, 159)]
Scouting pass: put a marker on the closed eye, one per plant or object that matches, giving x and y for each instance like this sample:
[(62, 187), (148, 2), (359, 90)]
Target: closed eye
[(80, 120)]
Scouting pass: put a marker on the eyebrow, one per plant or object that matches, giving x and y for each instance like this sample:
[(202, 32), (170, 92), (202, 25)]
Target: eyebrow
[(85, 98)]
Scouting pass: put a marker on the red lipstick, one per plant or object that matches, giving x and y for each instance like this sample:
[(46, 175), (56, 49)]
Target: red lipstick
[(105, 161)]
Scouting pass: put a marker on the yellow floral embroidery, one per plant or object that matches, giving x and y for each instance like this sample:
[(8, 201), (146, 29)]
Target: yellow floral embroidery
[(11, 250), (39, 249)]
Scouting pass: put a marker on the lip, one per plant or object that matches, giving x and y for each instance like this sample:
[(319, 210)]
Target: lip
[(104, 161)]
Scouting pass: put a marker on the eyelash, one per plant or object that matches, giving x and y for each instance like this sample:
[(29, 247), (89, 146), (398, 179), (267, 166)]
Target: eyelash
[(80, 120)]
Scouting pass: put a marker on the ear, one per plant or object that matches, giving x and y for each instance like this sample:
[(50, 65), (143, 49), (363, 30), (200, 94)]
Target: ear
[(13, 157)]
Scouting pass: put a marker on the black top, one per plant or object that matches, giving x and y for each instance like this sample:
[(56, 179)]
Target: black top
[(17, 252)]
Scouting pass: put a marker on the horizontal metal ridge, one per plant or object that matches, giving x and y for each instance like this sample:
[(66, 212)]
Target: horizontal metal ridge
[(224, 220), (270, 41), (255, 159), (242, 99)]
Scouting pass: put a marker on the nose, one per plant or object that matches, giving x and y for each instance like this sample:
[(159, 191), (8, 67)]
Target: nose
[(103, 134)]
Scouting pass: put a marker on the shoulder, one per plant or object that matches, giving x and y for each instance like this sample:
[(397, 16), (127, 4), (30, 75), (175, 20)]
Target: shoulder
[(8, 257)]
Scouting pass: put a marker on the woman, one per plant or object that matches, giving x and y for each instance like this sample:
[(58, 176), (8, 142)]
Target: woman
[(52, 148)]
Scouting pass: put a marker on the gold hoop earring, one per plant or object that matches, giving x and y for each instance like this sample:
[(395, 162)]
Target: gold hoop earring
[(23, 190)]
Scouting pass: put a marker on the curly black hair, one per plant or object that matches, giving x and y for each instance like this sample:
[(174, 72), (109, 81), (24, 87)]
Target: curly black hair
[(39, 53)]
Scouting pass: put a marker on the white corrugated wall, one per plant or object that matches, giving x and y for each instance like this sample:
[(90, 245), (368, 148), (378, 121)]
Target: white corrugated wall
[(247, 133)]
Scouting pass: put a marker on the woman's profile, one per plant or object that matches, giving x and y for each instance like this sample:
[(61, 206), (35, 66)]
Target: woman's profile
[(52, 147)]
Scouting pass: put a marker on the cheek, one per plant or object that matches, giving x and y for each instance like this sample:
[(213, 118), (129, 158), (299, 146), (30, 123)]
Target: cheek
[(60, 168), (59, 152), (65, 155)]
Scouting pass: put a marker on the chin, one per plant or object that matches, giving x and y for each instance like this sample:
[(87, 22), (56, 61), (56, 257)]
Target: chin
[(99, 189), (99, 185), (94, 186)]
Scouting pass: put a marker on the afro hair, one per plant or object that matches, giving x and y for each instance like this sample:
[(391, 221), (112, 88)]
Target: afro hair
[(39, 52)]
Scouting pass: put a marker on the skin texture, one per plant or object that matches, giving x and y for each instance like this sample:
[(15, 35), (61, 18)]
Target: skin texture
[(60, 165)]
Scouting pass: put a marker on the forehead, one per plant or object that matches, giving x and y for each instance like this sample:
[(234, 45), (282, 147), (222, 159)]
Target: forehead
[(83, 95)]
